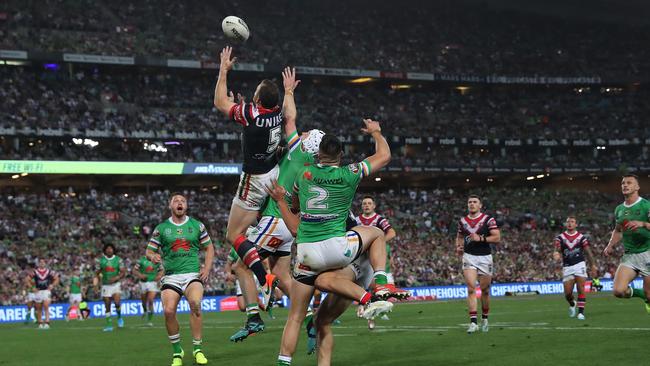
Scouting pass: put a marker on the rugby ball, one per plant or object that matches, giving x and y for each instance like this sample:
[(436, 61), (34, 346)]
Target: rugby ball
[(235, 29)]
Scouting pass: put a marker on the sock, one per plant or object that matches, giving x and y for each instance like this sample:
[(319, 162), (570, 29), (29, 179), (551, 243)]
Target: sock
[(581, 304), (638, 293), (248, 254), (176, 343), (365, 298), (572, 303), (109, 321), (252, 310), (144, 308), (316, 302), (118, 310), (380, 278), (485, 312), (196, 343), (284, 360), (150, 315), (472, 317)]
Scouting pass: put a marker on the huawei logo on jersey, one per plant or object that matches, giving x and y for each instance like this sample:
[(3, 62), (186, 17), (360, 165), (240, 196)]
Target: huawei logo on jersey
[(109, 269), (149, 269), (308, 176), (181, 244)]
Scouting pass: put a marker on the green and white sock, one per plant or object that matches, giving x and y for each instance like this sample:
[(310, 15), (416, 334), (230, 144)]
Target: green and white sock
[(176, 343), (284, 360), (109, 320), (196, 344), (252, 310), (380, 278)]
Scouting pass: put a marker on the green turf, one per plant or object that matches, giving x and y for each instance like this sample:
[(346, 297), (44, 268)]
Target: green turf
[(524, 331)]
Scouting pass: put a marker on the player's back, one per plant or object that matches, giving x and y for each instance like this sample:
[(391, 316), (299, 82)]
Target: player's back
[(326, 194), (260, 137)]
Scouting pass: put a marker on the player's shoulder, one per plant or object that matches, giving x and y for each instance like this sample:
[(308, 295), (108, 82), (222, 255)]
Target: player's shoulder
[(193, 221)]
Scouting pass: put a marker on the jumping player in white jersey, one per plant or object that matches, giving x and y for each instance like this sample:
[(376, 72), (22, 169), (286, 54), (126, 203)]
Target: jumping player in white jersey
[(477, 232), (570, 249)]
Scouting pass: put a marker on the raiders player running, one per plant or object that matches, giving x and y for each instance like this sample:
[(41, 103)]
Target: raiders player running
[(476, 232), (570, 247)]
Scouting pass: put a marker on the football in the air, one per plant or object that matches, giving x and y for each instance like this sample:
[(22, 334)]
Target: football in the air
[(235, 29)]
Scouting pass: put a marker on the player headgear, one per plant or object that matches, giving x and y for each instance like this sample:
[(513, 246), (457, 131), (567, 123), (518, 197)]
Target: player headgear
[(312, 142)]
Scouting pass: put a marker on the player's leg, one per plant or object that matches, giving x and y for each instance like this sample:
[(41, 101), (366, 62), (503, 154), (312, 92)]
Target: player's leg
[(318, 295), (38, 308), (569, 282), (485, 281), (238, 221), (580, 286), (646, 289), (281, 268), (374, 243), (332, 307), (194, 295), (622, 278), (170, 298), (254, 322), (151, 297), (300, 295), (471, 277), (143, 299), (28, 315), (341, 284), (46, 311), (117, 300), (107, 314)]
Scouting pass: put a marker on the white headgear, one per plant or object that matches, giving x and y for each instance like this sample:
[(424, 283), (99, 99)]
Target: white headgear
[(312, 142)]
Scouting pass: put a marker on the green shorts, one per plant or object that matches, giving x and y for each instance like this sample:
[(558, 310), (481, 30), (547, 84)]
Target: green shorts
[(640, 262)]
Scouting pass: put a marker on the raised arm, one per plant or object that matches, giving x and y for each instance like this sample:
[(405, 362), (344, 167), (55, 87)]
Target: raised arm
[(382, 155), (222, 100), (289, 104)]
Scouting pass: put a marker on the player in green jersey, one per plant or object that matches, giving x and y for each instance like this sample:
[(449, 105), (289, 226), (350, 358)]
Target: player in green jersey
[(271, 237), (74, 293), (176, 244), (632, 219), (30, 295), (324, 193), (149, 274), (110, 271)]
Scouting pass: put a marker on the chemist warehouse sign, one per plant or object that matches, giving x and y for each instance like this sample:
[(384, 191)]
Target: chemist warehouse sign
[(225, 303)]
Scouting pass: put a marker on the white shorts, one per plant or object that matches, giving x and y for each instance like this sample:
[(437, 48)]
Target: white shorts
[(481, 263), (179, 282), (42, 295), (314, 258), (111, 289), (272, 235), (251, 192), (75, 298), (640, 262), (31, 297), (363, 272), (571, 272), (150, 286)]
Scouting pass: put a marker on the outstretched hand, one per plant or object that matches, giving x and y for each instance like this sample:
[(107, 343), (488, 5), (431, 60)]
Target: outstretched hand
[(276, 191), (371, 126), (289, 79), (226, 62)]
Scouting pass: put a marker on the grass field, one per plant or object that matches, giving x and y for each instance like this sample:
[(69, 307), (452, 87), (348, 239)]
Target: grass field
[(524, 331)]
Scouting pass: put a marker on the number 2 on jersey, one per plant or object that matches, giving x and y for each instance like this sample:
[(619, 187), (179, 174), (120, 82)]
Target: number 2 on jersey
[(317, 202), (274, 138)]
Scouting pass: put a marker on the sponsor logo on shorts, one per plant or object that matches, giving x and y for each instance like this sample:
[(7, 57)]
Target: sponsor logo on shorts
[(304, 267)]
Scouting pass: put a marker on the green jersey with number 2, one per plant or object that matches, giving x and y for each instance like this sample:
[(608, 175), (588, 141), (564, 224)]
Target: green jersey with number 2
[(290, 165), (326, 194)]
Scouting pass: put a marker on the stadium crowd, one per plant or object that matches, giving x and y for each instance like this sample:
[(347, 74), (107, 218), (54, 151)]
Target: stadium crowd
[(443, 37), (175, 102), (68, 228)]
